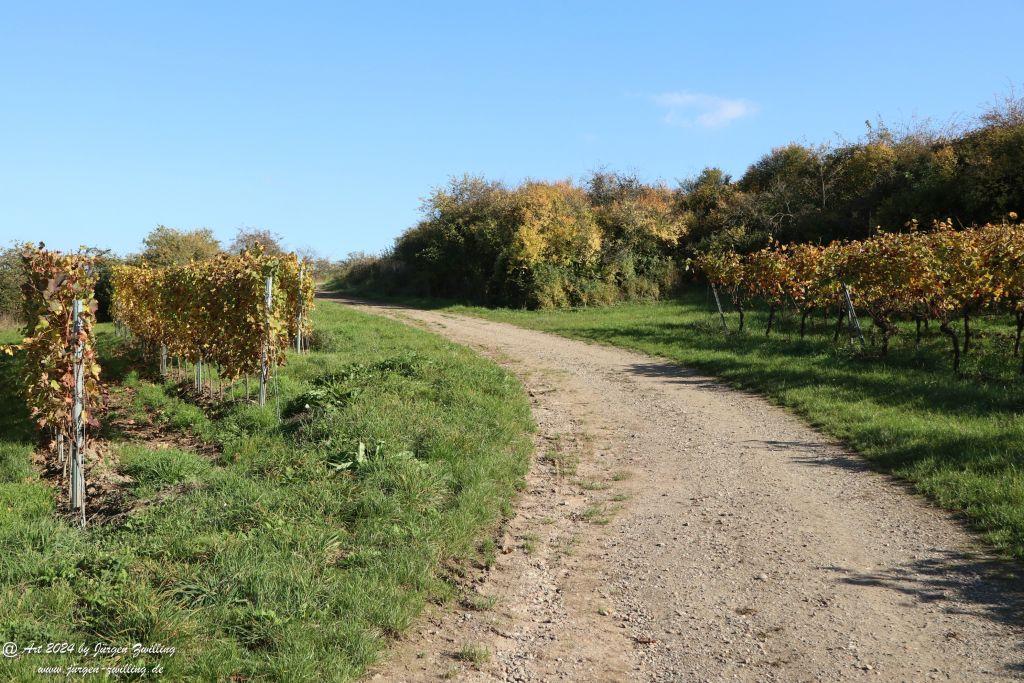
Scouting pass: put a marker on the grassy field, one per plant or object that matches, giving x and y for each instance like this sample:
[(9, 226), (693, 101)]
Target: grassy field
[(289, 553), (9, 334), (960, 441)]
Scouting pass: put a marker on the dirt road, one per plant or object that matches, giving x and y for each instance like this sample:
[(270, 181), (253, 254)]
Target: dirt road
[(676, 530)]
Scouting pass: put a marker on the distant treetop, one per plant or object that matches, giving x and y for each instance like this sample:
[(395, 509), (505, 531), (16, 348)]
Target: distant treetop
[(165, 246), (250, 237)]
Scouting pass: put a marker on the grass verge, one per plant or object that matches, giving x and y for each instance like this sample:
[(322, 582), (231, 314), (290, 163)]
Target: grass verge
[(294, 553), (960, 441)]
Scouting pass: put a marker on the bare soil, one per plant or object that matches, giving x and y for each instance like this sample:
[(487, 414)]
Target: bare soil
[(673, 529), (108, 500)]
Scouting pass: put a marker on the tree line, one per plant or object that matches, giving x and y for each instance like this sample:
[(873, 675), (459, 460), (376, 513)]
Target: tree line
[(613, 237)]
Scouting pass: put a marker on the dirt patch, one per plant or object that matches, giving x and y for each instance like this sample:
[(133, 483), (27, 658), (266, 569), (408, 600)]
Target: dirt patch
[(108, 500), (705, 534)]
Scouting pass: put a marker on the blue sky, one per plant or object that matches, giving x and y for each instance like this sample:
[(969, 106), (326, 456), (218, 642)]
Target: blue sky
[(326, 122)]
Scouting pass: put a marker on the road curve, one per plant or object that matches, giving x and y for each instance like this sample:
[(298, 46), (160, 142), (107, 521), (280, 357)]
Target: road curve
[(704, 535)]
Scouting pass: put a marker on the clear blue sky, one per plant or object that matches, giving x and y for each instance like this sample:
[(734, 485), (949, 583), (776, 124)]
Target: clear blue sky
[(326, 122)]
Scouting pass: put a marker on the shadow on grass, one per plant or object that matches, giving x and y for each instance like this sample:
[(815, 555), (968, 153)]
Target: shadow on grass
[(384, 301), (116, 357), (755, 362), (15, 423)]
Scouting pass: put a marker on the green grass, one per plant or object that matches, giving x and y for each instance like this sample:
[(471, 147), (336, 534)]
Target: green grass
[(959, 441), (479, 603), (477, 655), (286, 556), (600, 513), (9, 334), (564, 461), (530, 540)]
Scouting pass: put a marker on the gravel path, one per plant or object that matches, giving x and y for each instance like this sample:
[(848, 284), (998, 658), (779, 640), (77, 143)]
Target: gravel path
[(676, 530)]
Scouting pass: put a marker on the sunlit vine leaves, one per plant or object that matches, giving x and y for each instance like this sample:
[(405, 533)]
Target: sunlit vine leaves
[(215, 310)]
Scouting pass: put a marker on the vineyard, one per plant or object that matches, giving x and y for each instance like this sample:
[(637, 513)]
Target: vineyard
[(945, 275), (261, 547), (352, 342), (236, 313)]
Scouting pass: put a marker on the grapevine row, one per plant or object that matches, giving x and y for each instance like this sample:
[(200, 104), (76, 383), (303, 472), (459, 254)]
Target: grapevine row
[(217, 311), (61, 376), (944, 274)]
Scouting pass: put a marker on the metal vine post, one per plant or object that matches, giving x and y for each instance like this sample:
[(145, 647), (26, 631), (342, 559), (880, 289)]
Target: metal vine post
[(721, 314), (852, 317), (300, 313), (268, 301), (77, 482)]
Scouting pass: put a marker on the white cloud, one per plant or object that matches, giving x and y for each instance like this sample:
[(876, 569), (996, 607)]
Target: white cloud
[(688, 109)]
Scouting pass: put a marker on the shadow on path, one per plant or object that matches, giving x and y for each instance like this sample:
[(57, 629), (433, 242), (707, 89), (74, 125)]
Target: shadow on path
[(975, 584), (978, 584)]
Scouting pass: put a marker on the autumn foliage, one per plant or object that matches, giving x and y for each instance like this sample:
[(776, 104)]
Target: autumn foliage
[(539, 245), (215, 310), (942, 274), (53, 282), (616, 238)]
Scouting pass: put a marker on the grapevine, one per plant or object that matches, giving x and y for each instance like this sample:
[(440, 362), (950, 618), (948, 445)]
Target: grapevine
[(944, 274), (55, 280), (215, 311), (61, 375)]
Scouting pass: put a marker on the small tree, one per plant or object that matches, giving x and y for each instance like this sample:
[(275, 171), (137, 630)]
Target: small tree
[(247, 238), (165, 246), (12, 277)]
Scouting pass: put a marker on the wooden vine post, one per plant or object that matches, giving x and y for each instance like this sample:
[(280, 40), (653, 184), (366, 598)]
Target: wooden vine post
[(77, 484)]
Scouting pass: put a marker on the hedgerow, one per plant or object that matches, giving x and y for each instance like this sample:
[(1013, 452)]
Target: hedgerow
[(614, 238)]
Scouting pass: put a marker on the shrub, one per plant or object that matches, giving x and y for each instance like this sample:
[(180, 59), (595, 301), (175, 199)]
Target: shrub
[(12, 277)]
